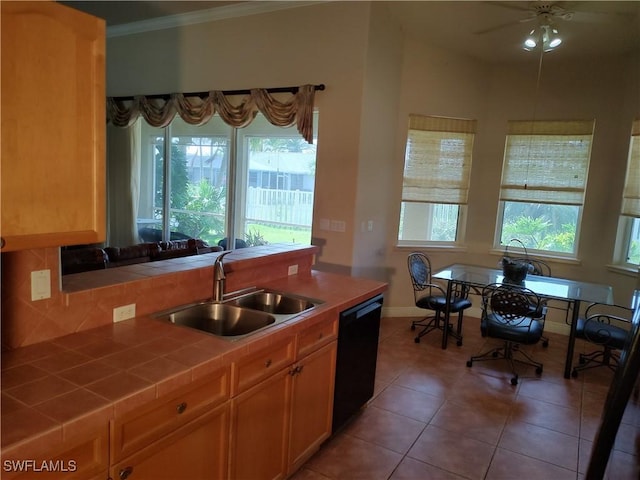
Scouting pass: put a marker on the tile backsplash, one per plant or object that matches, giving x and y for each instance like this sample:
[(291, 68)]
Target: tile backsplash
[(88, 299)]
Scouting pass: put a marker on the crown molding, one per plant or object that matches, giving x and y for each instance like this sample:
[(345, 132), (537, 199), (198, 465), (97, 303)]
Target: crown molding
[(241, 9)]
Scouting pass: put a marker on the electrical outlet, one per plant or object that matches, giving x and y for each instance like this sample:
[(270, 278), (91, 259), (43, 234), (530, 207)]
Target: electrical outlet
[(40, 285), (325, 224), (338, 225), (124, 313), (293, 269)]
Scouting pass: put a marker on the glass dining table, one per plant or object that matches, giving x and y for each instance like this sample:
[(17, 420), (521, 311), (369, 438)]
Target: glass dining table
[(570, 292)]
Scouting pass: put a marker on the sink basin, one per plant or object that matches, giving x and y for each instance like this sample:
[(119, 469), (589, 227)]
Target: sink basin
[(273, 302), (221, 319), (241, 315)]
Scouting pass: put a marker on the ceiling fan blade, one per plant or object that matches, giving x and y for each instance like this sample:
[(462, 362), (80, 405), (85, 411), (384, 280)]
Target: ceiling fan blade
[(503, 25)]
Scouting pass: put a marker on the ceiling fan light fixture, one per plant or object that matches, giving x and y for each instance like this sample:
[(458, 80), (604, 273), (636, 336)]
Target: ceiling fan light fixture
[(554, 38), (531, 41), (547, 35)]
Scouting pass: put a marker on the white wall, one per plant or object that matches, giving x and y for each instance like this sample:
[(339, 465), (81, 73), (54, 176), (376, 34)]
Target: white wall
[(375, 200)]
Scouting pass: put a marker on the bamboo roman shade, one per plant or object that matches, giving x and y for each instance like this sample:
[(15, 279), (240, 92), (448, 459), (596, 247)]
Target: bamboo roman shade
[(631, 192), (438, 160), (547, 161)]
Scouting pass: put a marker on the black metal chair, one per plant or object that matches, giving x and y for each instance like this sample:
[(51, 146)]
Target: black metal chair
[(606, 326), (506, 316), (430, 296), (542, 269)]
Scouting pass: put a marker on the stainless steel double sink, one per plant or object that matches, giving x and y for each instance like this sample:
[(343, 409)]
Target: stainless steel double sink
[(240, 315)]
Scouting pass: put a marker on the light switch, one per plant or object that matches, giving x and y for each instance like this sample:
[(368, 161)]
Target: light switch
[(40, 285)]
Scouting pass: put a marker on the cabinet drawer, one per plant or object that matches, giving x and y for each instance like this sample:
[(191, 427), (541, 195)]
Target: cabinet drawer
[(317, 335), (142, 426), (197, 450), (250, 370)]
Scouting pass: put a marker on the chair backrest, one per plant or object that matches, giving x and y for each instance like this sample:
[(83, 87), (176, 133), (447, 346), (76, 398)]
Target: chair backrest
[(606, 324), (509, 304), (419, 270), (538, 267)]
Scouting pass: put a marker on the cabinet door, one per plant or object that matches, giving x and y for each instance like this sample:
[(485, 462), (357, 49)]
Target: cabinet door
[(53, 126), (197, 451), (312, 404), (84, 457), (259, 432)]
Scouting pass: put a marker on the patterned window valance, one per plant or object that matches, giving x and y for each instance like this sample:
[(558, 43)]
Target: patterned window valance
[(197, 110)]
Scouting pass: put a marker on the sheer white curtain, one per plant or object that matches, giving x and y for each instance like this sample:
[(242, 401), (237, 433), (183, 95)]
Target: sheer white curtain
[(123, 184)]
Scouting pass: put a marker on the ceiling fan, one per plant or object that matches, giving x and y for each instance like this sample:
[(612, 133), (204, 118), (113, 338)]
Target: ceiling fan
[(545, 12)]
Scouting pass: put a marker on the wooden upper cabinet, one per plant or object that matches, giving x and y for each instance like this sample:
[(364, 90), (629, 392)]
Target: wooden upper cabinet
[(52, 125)]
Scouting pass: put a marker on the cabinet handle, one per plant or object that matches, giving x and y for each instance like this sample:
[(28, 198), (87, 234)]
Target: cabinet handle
[(181, 407), (125, 472), (296, 370), (320, 335), (2, 242), (267, 364)]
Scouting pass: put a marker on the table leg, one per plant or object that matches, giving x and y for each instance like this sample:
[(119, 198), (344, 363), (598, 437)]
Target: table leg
[(447, 315), (572, 338)]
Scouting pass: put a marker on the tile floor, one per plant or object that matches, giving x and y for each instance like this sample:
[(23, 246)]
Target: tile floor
[(432, 417)]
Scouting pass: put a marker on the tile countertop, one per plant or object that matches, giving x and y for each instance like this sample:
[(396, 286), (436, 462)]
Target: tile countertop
[(71, 384)]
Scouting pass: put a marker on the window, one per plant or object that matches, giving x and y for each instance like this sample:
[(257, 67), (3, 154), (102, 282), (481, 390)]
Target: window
[(190, 196), (544, 176), (437, 168), (628, 245)]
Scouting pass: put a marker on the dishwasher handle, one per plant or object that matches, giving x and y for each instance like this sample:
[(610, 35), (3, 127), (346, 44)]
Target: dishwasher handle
[(363, 308), (368, 309)]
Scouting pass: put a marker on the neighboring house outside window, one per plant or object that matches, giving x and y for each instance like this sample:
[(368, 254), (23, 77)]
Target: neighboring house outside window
[(544, 177), (627, 252), (437, 169)]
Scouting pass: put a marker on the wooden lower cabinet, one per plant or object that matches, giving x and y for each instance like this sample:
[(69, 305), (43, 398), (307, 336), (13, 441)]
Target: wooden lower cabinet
[(260, 425), (196, 451), (279, 423), (312, 404), (82, 458)]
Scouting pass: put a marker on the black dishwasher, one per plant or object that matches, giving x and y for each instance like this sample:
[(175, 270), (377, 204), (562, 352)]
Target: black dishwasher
[(358, 335)]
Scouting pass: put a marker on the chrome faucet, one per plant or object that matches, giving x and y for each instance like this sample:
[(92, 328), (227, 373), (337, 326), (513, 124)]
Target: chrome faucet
[(219, 277)]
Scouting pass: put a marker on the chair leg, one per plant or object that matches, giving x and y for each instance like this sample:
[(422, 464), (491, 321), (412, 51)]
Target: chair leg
[(457, 334), (507, 352), (428, 323), (599, 358)]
